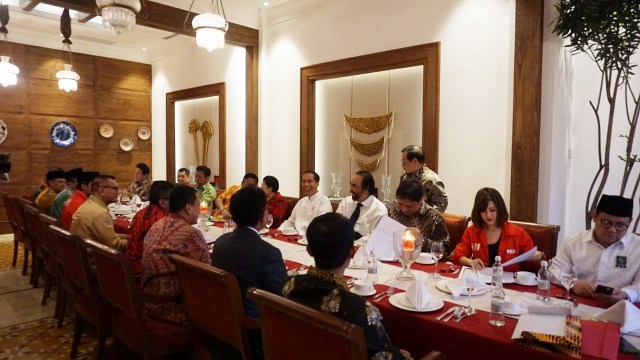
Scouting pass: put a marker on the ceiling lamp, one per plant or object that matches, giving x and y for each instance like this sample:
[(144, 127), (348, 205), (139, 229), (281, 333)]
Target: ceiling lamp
[(8, 71), (211, 26), (67, 78), (119, 14)]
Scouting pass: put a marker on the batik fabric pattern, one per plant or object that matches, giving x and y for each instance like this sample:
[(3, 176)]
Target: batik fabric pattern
[(140, 225)]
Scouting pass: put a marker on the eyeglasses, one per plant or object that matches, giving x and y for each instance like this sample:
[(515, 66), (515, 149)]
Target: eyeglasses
[(110, 187), (618, 226)]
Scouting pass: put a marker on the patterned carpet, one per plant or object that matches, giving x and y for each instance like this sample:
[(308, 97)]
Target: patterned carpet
[(41, 340), (6, 255)]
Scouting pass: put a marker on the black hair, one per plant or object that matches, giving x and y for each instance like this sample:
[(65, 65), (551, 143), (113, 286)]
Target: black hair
[(368, 182), (483, 196), (248, 205), (410, 189), (414, 152), (159, 189), (180, 196), (316, 177), (330, 238), (250, 176), (100, 180), (185, 170), (272, 182), (144, 167), (204, 169)]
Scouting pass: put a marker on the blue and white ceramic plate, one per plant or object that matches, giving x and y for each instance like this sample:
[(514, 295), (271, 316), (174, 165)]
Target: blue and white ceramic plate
[(63, 133)]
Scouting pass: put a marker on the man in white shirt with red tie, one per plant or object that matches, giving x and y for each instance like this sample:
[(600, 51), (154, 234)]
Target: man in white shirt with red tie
[(312, 205), (362, 208)]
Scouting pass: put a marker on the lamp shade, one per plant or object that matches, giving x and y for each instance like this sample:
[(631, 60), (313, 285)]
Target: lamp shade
[(119, 15), (210, 30), (8, 72), (67, 78)]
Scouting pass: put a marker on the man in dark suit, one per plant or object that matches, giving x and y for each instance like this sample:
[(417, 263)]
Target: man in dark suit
[(242, 252)]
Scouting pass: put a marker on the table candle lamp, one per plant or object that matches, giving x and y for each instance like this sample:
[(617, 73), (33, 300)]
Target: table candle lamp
[(407, 245)]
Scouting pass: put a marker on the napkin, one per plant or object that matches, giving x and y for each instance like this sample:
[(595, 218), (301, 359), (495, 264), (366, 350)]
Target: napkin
[(136, 199), (417, 294), (361, 258), (624, 313), (549, 310), (456, 286)]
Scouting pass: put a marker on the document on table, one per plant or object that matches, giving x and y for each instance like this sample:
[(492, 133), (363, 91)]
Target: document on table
[(381, 240), (486, 274), (545, 324), (522, 257)]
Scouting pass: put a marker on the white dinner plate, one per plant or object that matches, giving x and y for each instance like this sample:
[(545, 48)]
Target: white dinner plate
[(126, 143), (515, 313), (352, 265), (400, 301), (425, 259), (106, 131), (144, 133), (369, 293), (525, 284), (442, 286), (303, 241)]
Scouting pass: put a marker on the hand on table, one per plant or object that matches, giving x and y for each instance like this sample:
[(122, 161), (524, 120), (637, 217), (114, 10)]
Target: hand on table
[(584, 288), (225, 214), (616, 296), (476, 264)]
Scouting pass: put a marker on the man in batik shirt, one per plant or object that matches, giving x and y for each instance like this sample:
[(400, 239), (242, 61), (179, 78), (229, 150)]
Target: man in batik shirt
[(323, 288), (72, 182), (55, 184), (276, 204), (173, 234), (224, 200), (206, 192), (145, 218), (141, 183), (79, 196), (412, 211), (414, 167)]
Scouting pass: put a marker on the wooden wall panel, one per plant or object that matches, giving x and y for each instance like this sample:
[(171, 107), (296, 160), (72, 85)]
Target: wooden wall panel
[(46, 98), (119, 91), (121, 104)]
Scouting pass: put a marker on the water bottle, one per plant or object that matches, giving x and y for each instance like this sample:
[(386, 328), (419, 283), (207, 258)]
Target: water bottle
[(496, 317), (544, 283), (372, 268)]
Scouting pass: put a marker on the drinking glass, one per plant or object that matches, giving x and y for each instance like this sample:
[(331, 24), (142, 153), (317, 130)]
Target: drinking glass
[(269, 223), (407, 245), (386, 188), (568, 279), (337, 186), (437, 251), (469, 283)]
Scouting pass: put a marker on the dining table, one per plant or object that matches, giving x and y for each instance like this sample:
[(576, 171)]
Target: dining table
[(420, 332)]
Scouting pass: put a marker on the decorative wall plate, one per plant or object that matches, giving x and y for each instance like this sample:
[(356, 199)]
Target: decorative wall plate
[(63, 133), (3, 131), (144, 133), (106, 131), (126, 143)]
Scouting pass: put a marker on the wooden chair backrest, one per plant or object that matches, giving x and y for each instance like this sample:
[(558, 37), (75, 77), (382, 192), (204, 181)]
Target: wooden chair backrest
[(456, 225), (294, 331), (73, 256), (212, 302), (14, 215), (544, 236), (291, 203)]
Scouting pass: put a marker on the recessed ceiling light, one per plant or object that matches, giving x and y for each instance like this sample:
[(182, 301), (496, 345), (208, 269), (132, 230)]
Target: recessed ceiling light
[(266, 3), (144, 49)]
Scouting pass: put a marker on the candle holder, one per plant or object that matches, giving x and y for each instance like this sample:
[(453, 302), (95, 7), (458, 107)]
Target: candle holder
[(407, 245)]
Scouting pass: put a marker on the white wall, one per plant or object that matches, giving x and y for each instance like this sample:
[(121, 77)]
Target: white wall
[(192, 67), (476, 79)]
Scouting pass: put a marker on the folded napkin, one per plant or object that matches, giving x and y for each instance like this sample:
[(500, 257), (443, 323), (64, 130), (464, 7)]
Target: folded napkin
[(549, 310), (417, 294), (624, 313), (136, 199), (456, 286), (361, 258)]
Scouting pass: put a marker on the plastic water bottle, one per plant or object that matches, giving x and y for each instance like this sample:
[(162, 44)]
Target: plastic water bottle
[(544, 283), (496, 317), (372, 268)]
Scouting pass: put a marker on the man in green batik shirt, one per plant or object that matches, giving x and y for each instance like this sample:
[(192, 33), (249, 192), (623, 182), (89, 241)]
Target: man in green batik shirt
[(205, 190), (72, 180)]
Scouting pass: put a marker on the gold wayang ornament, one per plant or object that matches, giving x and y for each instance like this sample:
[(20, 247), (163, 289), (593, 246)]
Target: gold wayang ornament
[(207, 131), (369, 125), (194, 126)]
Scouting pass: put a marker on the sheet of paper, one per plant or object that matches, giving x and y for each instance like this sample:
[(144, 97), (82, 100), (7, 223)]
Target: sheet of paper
[(522, 257), (381, 240), (545, 324), (485, 275)]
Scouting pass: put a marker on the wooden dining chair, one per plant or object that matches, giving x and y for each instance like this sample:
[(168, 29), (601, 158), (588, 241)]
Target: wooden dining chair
[(213, 304), (131, 326), (544, 236), (28, 245), (456, 225), (291, 203), (51, 268), (81, 284), (12, 214), (36, 232)]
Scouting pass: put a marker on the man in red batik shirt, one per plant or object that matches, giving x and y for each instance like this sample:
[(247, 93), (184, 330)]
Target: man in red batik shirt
[(79, 196), (142, 221)]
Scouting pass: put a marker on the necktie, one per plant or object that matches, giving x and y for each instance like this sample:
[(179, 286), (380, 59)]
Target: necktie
[(356, 214)]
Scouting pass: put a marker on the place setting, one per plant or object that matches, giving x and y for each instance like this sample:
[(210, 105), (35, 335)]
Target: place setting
[(362, 287), (417, 298)]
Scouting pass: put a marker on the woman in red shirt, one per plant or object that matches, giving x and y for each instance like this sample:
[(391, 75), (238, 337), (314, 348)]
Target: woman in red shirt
[(491, 234)]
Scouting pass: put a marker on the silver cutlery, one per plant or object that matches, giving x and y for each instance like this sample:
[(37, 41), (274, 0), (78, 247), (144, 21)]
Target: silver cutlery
[(385, 294), (450, 310), (459, 311), (462, 316)]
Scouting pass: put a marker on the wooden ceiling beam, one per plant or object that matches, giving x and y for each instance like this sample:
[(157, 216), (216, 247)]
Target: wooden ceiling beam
[(166, 18)]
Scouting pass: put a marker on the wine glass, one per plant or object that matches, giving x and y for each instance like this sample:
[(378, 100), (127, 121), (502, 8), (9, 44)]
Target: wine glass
[(568, 279), (269, 223), (469, 283), (407, 245), (437, 251)]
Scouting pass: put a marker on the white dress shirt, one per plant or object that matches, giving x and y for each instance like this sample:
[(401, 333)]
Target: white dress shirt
[(306, 209), (370, 213), (616, 266)]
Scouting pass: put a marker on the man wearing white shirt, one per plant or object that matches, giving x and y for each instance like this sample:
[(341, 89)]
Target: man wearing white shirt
[(362, 208), (313, 204), (605, 255)]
